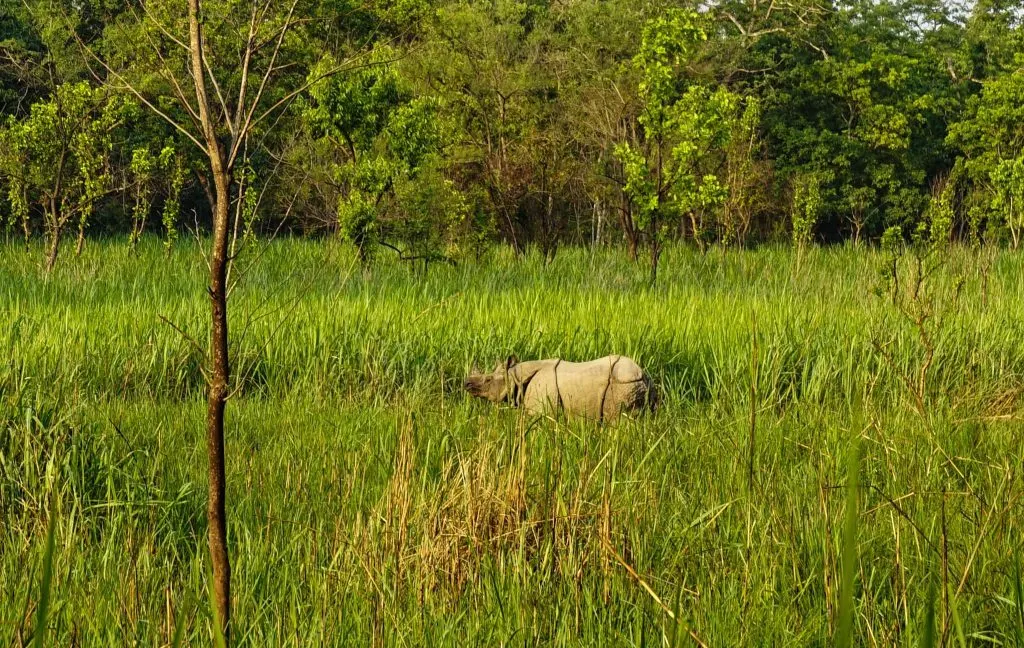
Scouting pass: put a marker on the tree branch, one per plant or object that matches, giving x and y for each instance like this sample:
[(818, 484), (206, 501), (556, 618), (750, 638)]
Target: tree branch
[(138, 95), (263, 84)]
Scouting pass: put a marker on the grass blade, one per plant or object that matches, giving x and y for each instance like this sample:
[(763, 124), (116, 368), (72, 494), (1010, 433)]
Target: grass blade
[(844, 634), (1019, 587), (43, 609), (928, 631), (957, 624), (179, 631)]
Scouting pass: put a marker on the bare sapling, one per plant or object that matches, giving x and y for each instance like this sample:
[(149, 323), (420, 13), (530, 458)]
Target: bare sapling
[(909, 282), (217, 107)]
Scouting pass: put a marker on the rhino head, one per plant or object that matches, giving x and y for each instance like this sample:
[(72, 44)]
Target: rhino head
[(493, 386)]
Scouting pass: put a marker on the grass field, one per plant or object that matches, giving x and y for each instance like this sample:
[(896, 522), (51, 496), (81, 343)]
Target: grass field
[(372, 502)]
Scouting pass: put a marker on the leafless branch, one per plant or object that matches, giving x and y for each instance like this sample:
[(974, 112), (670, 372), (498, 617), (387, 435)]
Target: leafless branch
[(138, 95), (195, 344), (163, 29), (259, 92)]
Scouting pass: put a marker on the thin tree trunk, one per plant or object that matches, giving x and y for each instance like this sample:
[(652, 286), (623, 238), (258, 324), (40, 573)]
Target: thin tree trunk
[(653, 226), (629, 228), (221, 171), (54, 227), (51, 257), (216, 400), (695, 232), (80, 244), (655, 249), (550, 242), (221, 135), (24, 218)]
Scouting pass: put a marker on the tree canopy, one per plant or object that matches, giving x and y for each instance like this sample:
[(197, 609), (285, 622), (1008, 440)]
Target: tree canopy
[(428, 127)]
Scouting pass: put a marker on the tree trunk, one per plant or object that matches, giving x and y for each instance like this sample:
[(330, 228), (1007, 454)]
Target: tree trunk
[(52, 222), (695, 231), (550, 244), (80, 244), (51, 257), (24, 219), (220, 373), (629, 228), (655, 249), (655, 255)]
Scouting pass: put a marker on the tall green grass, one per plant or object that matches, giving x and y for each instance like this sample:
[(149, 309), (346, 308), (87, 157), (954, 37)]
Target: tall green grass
[(371, 502)]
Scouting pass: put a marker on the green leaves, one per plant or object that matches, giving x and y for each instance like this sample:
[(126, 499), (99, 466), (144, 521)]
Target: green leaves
[(639, 186), (357, 219), (686, 126), (667, 43), (58, 158), (806, 209), (417, 130), (386, 142), (861, 101), (1007, 182), (547, 111), (991, 140), (354, 107), (150, 175)]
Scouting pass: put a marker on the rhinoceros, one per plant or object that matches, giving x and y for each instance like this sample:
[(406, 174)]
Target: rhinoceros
[(599, 390)]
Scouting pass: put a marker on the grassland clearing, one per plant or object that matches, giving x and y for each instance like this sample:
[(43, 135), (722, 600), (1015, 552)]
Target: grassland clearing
[(373, 501)]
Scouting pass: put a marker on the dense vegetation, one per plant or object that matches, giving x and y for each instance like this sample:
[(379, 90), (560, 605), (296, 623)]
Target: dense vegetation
[(837, 454), (372, 501), (434, 126)]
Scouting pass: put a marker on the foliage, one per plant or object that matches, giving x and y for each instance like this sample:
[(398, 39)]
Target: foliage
[(165, 173), (546, 117), (855, 98), (673, 174), (807, 205), (386, 145), (493, 65), (58, 158), (1008, 184), (992, 140), (747, 177)]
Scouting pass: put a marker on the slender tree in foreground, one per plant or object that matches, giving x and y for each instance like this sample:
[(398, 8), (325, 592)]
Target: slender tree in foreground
[(229, 75)]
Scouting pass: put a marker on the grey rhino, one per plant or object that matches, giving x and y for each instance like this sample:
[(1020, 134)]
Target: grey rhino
[(598, 390)]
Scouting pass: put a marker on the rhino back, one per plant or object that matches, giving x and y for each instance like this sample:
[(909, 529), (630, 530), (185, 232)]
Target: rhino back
[(583, 386), (599, 389), (626, 370)]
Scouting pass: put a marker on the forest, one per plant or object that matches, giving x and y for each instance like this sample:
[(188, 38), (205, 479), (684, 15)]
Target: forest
[(429, 129)]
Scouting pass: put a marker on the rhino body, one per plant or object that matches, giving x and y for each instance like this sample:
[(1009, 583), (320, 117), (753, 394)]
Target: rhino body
[(599, 390)]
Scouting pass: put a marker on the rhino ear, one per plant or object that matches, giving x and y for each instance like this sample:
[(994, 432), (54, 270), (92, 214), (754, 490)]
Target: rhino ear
[(511, 361)]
